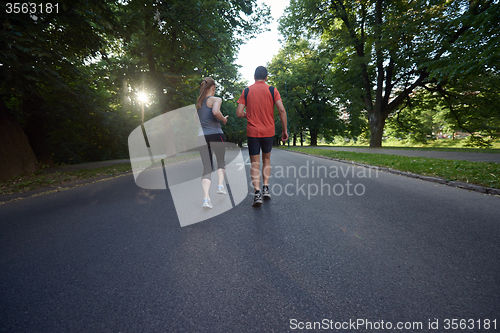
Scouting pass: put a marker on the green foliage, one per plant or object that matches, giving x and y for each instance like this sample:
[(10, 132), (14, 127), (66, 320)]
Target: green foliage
[(75, 74), (45, 80), (299, 72), (172, 45), (468, 104), (472, 36), (383, 52), (414, 121), (45, 48), (235, 129)]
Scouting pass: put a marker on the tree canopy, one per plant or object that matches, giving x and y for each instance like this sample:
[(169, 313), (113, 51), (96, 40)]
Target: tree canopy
[(384, 52), (74, 81), (300, 72)]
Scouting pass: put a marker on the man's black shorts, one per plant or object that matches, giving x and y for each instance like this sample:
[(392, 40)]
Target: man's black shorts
[(255, 144)]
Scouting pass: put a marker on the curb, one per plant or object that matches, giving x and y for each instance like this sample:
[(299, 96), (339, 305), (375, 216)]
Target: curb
[(465, 186), (5, 198)]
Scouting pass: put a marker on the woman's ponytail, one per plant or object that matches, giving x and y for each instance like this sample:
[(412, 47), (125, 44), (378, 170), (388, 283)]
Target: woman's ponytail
[(204, 86)]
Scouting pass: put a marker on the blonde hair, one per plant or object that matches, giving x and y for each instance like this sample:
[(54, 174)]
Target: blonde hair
[(204, 86)]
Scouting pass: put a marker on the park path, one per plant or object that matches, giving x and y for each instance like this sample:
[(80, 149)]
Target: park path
[(473, 157), (447, 155)]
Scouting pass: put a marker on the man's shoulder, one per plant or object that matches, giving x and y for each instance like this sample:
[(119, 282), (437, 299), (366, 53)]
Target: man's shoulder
[(259, 86)]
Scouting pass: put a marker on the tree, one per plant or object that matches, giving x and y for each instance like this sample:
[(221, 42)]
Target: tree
[(388, 49), (16, 154), (468, 104), (300, 71), (69, 78)]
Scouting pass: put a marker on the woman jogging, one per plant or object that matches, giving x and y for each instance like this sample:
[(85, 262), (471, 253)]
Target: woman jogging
[(210, 137)]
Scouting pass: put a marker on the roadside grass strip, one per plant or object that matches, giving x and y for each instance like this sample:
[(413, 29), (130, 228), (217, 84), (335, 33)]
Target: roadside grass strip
[(453, 145), (40, 180), (486, 174), (427, 148)]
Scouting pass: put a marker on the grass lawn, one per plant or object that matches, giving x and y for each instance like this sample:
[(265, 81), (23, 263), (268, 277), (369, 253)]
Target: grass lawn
[(479, 173)]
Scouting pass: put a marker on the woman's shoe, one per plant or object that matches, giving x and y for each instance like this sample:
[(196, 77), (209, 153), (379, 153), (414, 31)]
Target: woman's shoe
[(206, 203), (221, 190)]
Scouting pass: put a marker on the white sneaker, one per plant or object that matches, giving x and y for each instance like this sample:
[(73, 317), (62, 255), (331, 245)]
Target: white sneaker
[(221, 190), (206, 203)]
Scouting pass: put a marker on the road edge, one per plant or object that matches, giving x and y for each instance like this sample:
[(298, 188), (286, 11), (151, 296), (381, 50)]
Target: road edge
[(6, 198)]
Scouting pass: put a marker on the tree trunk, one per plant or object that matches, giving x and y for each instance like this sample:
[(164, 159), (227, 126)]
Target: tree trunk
[(314, 138), (294, 139), (301, 139), (377, 123), (35, 130), (16, 155)]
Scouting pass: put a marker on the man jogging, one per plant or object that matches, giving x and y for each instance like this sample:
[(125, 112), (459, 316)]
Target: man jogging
[(259, 100)]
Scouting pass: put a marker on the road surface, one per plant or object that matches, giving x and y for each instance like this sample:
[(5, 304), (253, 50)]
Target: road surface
[(371, 249)]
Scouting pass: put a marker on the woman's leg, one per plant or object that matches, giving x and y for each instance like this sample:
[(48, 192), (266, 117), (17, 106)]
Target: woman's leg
[(206, 159), (220, 174), (219, 149), (205, 185)]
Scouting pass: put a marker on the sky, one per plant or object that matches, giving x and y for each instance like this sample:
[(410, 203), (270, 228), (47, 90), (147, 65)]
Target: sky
[(260, 50)]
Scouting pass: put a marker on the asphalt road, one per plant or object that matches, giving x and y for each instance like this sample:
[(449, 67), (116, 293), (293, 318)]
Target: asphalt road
[(112, 257)]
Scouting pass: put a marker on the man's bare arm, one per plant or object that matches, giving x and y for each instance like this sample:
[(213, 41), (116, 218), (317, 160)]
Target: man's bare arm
[(240, 111)]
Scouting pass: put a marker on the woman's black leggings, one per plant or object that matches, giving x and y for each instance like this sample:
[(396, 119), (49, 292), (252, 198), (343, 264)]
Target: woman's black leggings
[(208, 144)]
